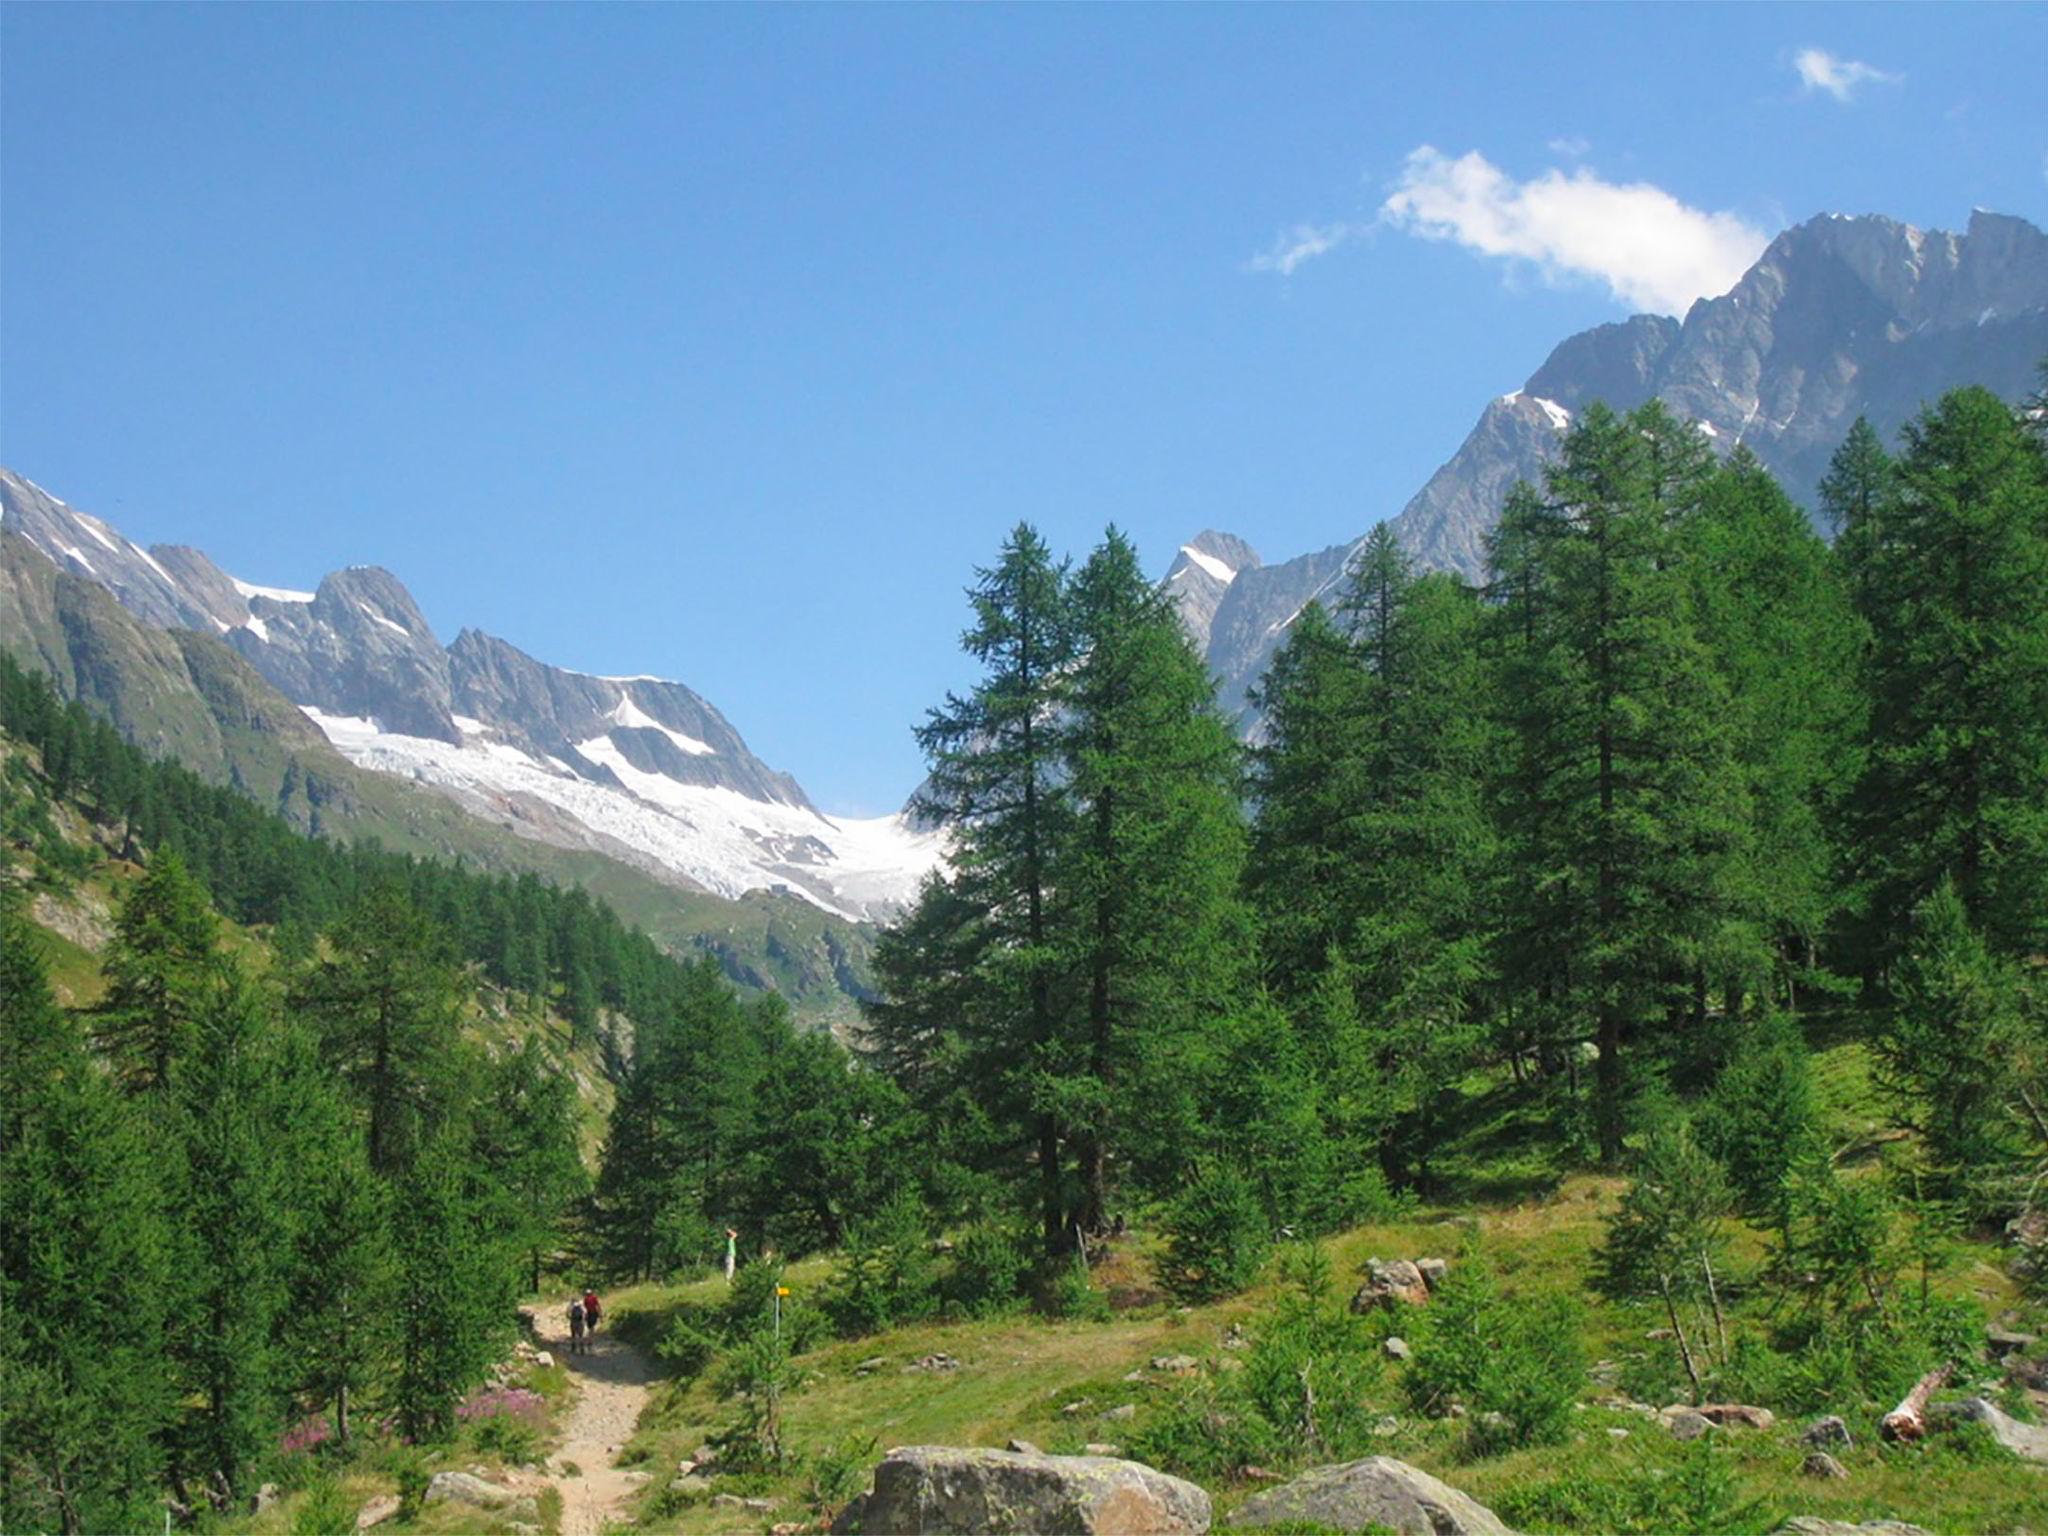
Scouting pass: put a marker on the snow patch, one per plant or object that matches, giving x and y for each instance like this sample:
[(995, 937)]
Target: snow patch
[(634, 718), (468, 726), (91, 526), (1560, 418), (258, 628), (723, 840), (1209, 563), (78, 556), (370, 610), (1707, 429), (249, 589)]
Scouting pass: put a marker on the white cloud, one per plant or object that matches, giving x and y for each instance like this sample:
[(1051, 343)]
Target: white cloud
[(1298, 243), (1820, 70), (1650, 249), (1571, 147)]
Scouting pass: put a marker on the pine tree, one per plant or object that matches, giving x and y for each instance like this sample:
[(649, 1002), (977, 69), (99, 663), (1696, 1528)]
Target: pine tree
[(995, 761), (1771, 606), (1952, 1042), (1149, 924), (236, 1233), (527, 1143), (337, 1283), (1956, 596), (386, 1004), (85, 1394), (1623, 804), (454, 1284), (1303, 874), (157, 969)]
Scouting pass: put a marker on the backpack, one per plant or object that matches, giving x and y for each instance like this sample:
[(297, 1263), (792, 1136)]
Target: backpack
[(575, 1315)]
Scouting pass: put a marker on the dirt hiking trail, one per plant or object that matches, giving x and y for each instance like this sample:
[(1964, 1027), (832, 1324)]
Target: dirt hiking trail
[(611, 1390)]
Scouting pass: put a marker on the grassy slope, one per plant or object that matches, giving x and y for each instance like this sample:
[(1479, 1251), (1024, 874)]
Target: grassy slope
[(1538, 1226)]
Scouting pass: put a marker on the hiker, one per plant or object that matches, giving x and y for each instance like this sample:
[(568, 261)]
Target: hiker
[(575, 1326), (591, 1310)]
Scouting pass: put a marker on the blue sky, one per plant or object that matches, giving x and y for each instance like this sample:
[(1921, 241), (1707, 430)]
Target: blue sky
[(720, 343)]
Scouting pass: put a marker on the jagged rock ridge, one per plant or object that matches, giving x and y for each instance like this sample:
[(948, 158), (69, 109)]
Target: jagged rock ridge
[(1839, 318)]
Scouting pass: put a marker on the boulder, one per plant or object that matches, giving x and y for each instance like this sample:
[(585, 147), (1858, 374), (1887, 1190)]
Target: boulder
[(2029, 1442), (1826, 1431), (1821, 1464), (1813, 1525), (1432, 1271), (1397, 1349), (377, 1511), (544, 1360), (1737, 1416), (936, 1490), (1685, 1424), (1378, 1492), (690, 1486), (265, 1497), (1388, 1283), (2004, 1341), (1175, 1365), (467, 1488), (1122, 1413), (1023, 1448)]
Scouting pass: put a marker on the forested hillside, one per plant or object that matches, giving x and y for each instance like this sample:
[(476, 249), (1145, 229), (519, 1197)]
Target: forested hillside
[(1656, 932)]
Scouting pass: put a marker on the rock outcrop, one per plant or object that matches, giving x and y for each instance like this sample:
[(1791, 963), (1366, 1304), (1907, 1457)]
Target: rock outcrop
[(1378, 1492), (936, 1490)]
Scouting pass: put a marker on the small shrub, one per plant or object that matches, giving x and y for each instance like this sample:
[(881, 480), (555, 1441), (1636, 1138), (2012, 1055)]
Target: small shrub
[(410, 1471), (839, 1472), (510, 1437), (686, 1348), (1071, 1294), (1516, 1364), (990, 1263), (1759, 1120), (1696, 1494), (886, 1275), (549, 1502), (325, 1510), (1218, 1238)]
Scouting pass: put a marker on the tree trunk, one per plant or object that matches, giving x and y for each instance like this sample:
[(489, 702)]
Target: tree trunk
[(1908, 1421), (1678, 1333)]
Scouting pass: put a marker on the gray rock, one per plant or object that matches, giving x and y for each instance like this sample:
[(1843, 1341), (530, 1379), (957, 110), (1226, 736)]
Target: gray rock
[(1397, 1348), (1122, 1413), (1813, 1525), (690, 1486), (1821, 1464), (1101, 1448), (1389, 1283), (1175, 1365), (936, 1490), (2029, 1442), (2004, 1341), (1433, 1271), (467, 1488), (1023, 1448), (1378, 1491), (1687, 1425), (1826, 1431), (265, 1497)]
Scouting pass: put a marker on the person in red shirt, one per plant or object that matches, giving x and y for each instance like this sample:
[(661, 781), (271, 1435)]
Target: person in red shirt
[(591, 1309)]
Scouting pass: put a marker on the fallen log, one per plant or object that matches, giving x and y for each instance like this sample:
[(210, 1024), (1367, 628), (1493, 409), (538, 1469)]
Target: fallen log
[(1908, 1421)]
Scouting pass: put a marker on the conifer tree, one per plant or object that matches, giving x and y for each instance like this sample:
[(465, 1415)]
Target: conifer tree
[(85, 1393), (157, 974), (527, 1143), (454, 1285), (1150, 926), (1303, 873), (1772, 608), (1956, 596), (337, 1283), (995, 760), (1623, 805), (386, 1003), (236, 1234)]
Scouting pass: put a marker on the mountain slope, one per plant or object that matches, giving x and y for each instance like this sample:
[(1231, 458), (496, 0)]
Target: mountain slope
[(1839, 318), (639, 769), (186, 695)]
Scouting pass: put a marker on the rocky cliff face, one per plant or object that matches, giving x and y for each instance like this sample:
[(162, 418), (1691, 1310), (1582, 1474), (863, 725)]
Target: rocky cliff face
[(1839, 318)]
